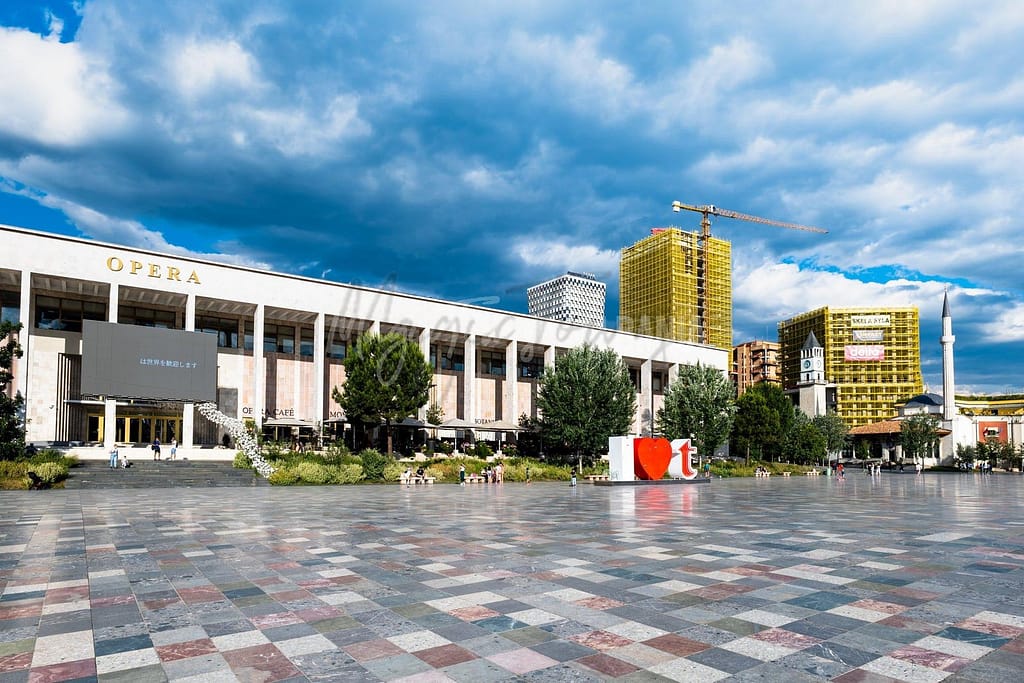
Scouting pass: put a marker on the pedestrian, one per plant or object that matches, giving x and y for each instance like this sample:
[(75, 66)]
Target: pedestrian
[(499, 474), (113, 457), (156, 449), (406, 475), (527, 474), (840, 472), (919, 466), (572, 478), (174, 448), (707, 470), (462, 475)]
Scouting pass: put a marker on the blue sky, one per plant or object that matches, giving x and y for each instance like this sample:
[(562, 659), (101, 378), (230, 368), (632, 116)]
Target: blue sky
[(466, 150)]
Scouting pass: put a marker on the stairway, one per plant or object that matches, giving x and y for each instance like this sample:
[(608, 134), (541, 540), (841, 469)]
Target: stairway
[(96, 474)]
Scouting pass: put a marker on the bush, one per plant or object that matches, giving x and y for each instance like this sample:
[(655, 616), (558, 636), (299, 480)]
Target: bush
[(50, 472), (242, 461), (336, 454), (482, 450), (393, 471), (373, 462), (51, 455), (446, 447), (314, 473), (348, 474), (509, 450), (283, 476)]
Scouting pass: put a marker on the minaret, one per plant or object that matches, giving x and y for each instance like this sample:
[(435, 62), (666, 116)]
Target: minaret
[(947, 339)]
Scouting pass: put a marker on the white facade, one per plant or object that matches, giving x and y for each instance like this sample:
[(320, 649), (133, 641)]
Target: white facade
[(486, 361), (573, 297)]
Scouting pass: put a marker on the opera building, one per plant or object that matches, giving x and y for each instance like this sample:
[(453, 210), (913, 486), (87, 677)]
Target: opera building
[(262, 345)]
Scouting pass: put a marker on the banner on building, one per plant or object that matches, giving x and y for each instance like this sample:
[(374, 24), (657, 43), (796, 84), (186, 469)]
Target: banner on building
[(869, 321), (868, 335), (864, 352)]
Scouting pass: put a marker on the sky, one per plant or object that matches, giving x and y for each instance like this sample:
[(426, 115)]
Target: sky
[(467, 150)]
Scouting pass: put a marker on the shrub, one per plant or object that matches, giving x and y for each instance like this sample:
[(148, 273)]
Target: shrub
[(242, 461), (347, 474), (509, 450), (336, 453), (482, 450), (373, 462), (446, 447), (393, 471), (314, 473), (49, 455), (50, 472), (283, 476)]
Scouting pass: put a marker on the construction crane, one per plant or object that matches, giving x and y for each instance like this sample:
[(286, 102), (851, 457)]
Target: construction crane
[(702, 250)]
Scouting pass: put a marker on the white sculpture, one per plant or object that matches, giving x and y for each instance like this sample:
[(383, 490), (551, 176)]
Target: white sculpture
[(243, 439)]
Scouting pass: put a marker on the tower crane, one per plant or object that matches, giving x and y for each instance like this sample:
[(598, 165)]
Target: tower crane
[(704, 238)]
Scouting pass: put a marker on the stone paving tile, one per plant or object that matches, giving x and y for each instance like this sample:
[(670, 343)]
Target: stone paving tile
[(912, 579)]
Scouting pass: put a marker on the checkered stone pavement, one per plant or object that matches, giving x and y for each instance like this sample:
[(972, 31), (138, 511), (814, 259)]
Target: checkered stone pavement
[(892, 578)]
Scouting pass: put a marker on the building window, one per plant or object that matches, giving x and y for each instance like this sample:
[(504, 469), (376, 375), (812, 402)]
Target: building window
[(492, 363), (531, 368), (10, 307), (248, 335), (226, 330), (336, 347), (53, 313), (279, 338), (452, 359), (634, 377), (147, 317), (306, 342)]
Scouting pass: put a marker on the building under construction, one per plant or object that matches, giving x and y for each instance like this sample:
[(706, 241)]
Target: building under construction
[(662, 288), (872, 355)]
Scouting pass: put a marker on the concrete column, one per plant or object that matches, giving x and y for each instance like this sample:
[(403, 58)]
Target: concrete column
[(673, 374), (109, 404), (24, 337), (374, 327), (424, 341), (319, 361), (188, 413), (469, 407), (510, 397), (259, 385), (549, 357), (646, 398)]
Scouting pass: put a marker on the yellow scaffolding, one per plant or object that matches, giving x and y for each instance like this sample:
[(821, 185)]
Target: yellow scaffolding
[(872, 355), (660, 288)]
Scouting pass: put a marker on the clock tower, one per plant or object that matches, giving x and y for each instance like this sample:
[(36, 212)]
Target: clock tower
[(811, 386)]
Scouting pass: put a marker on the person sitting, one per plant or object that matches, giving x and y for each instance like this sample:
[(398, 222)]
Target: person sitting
[(421, 476)]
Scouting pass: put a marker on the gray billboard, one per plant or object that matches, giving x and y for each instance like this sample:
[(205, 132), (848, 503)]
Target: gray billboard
[(129, 361)]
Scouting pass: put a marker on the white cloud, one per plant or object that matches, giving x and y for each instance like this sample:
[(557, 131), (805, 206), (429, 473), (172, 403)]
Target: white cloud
[(559, 257), (54, 93), (201, 67), (1007, 326)]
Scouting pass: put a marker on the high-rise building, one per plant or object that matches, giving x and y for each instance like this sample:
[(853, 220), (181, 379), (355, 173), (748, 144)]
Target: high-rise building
[(754, 362), (572, 298), (661, 288), (871, 355)]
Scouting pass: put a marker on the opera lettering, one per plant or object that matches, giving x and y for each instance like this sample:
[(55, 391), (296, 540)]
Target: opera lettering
[(153, 270)]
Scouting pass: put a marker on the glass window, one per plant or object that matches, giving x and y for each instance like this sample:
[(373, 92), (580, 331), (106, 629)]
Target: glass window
[(226, 330), (531, 368), (147, 317), (306, 342), (492, 363), (279, 338), (453, 360), (10, 307), (248, 335), (53, 313)]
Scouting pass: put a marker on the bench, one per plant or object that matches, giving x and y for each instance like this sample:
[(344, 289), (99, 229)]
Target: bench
[(812, 473), (424, 480), (785, 474), (475, 479), (597, 477)]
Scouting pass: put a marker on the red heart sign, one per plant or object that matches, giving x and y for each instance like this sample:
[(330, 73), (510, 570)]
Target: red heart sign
[(651, 458)]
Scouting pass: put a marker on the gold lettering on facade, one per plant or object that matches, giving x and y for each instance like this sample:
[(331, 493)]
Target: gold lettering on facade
[(156, 270)]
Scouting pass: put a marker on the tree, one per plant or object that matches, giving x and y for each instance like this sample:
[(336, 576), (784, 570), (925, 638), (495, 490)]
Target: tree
[(805, 443), (386, 378), (752, 420), (12, 426), (773, 437), (584, 399), (918, 437), (699, 405), (835, 431), (435, 413)]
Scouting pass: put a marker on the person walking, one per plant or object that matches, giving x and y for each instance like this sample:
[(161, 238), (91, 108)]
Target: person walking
[(919, 466), (156, 449), (572, 478), (527, 474), (113, 457), (462, 475), (499, 473), (174, 449)]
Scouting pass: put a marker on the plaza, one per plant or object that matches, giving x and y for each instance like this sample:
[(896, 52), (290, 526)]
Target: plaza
[(897, 577)]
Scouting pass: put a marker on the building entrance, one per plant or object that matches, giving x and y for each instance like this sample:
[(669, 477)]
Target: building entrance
[(138, 429)]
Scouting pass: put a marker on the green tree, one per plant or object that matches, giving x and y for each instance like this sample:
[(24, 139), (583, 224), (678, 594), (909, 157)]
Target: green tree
[(435, 413), (835, 431), (752, 420), (386, 378), (584, 399), (918, 437), (12, 426), (805, 443), (699, 405), (861, 449), (773, 437)]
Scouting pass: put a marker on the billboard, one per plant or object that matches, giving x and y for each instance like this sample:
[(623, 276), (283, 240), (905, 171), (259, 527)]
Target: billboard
[(869, 321), (130, 361), (858, 352), (868, 335)]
